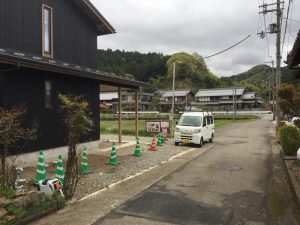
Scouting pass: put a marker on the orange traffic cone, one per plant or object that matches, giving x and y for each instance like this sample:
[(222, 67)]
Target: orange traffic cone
[(153, 146), (165, 136)]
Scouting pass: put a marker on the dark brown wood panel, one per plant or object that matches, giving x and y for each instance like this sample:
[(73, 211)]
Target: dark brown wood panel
[(26, 86), (74, 34)]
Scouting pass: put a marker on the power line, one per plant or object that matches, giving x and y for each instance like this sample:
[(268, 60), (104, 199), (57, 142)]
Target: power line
[(225, 50)]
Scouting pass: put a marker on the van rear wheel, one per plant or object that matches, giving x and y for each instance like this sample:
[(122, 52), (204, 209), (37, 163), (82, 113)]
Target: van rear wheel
[(212, 138), (176, 143)]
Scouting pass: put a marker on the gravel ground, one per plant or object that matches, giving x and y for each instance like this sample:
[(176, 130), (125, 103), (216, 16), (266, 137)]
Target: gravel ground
[(104, 174)]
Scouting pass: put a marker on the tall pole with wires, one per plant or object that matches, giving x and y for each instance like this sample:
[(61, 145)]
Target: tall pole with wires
[(275, 29), (278, 60)]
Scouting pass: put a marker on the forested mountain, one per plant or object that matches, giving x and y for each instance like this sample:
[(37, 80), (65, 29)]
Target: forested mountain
[(142, 67), (157, 69), (259, 78), (191, 71)]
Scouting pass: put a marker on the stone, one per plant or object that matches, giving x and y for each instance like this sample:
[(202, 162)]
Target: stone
[(21, 202), (37, 196), (2, 211), (4, 201)]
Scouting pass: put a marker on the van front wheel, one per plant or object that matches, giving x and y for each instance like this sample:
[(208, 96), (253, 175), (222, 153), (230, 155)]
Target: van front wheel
[(201, 143)]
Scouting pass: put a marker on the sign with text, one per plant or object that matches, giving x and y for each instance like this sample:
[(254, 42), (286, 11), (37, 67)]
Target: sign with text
[(157, 126)]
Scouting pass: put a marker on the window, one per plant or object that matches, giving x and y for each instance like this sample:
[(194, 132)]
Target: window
[(47, 29), (48, 94)]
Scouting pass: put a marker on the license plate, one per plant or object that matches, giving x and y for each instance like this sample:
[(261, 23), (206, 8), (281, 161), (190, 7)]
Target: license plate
[(186, 141)]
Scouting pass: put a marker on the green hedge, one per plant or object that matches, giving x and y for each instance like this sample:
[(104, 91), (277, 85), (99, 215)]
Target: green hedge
[(289, 139)]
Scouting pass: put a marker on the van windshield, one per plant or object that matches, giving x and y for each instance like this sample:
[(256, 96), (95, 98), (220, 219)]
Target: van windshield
[(190, 121)]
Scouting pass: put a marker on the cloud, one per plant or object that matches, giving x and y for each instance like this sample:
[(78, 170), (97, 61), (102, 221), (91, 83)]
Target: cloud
[(205, 26)]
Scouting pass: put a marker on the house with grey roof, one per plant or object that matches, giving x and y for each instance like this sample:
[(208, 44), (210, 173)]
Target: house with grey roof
[(109, 101), (182, 99), (223, 99)]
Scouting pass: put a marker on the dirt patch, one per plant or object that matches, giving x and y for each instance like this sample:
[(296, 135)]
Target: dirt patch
[(104, 174)]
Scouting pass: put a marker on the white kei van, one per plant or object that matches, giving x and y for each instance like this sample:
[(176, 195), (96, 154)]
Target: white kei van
[(195, 127)]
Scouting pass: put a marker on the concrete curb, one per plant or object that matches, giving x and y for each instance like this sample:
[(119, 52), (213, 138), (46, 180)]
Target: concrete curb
[(295, 187), (88, 210)]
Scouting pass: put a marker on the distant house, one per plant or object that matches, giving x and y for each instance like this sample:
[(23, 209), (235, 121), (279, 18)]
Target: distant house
[(110, 100), (293, 60), (47, 48), (182, 99), (224, 99)]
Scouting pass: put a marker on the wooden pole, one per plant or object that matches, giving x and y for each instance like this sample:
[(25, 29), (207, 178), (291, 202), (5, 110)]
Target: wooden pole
[(119, 115), (136, 114)]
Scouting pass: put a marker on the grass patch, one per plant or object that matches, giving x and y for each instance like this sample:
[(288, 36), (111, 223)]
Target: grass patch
[(111, 127), (7, 192)]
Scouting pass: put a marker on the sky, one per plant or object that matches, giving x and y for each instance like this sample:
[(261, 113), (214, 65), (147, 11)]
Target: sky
[(202, 26)]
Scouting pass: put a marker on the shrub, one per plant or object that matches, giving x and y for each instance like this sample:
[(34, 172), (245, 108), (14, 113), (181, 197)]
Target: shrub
[(297, 123), (289, 139), (7, 192)]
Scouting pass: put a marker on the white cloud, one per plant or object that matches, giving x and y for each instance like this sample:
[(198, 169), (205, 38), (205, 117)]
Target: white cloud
[(205, 26)]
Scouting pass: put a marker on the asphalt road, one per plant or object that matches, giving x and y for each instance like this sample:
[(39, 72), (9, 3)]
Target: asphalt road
[(228, 184)]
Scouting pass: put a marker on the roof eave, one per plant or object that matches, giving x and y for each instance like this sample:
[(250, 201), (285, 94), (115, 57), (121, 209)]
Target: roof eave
[(87, 73), (103, 26)]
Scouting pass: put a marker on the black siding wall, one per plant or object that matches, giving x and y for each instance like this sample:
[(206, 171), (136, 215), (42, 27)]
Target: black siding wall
[(26, 86), (74, 34)]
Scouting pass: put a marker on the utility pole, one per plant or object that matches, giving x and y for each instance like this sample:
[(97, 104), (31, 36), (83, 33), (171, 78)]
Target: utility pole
[(275, 28), (278, 61), (173, 98), (272, 88), (235, 105)]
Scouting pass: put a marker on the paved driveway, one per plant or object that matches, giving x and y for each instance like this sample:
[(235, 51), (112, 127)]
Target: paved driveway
[(227, 184)]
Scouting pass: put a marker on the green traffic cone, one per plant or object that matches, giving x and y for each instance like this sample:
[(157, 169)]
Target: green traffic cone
[(41, 170), (113, 157), (60, 174), (158, 141), (162, 138), (137, 152), (84, 163)]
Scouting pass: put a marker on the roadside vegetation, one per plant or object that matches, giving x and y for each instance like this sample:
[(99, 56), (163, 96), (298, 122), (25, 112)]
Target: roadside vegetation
[(110, 125)]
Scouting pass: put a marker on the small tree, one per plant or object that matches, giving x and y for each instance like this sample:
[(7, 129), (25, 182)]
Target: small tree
[(79, 123), (11, 135), (289, 100)]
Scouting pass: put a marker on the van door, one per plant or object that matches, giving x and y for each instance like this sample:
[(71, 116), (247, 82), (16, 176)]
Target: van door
[(205, 129)]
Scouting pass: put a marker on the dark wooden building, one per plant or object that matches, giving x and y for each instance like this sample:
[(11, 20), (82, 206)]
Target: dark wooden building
[(294, 57), (50, 47)]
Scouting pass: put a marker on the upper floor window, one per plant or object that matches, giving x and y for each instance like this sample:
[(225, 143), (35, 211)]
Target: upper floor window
[(47, 29)]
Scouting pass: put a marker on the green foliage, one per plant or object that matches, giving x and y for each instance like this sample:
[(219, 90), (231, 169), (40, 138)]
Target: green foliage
[(297, 123), (140, 66), (289, 139), (7, 192), (79, 123), (17, 212), (12, 133), (289, 100)]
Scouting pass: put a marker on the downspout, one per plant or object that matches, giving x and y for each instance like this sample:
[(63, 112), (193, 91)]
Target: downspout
[(2, 97)]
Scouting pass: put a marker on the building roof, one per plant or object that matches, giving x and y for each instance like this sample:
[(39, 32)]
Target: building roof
[(218, 92), (294, 55), (248, 96), (108, 96), (103, 26), (21, 59), (179, 93)]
